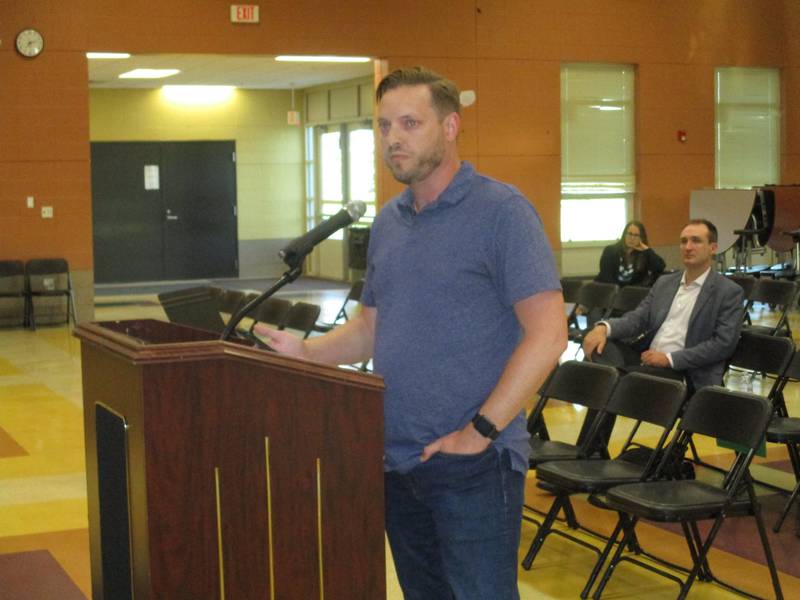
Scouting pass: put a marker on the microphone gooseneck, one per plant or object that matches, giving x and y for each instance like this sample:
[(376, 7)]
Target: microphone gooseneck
[(296, 250)]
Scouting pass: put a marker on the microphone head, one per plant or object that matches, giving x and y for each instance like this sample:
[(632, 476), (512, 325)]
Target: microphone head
[(356, 209)]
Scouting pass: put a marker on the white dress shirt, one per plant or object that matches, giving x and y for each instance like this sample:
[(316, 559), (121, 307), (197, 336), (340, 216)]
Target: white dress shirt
[(671, 336)]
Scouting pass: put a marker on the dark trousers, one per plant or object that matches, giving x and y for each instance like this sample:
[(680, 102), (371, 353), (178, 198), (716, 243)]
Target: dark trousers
[(453, 524), (628, 360)]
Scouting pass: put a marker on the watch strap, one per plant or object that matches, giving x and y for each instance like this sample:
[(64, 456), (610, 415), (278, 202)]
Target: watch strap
[(485, 427)]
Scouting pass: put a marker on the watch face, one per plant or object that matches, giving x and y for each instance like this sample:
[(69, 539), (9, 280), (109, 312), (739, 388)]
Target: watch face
[(30, 43)]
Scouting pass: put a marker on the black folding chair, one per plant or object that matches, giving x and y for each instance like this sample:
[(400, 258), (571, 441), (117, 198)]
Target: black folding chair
[(784, 429), (354, 295), (643, 398), (50, 291), (739, 418), (272, 311), (756, 355), (627, 299), (13, 299), (301, 317), (777, 293), (746, 282), (229, 302), (575, 382), (595, 300)]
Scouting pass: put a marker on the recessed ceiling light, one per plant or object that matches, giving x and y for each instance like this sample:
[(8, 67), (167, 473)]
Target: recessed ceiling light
[(334, 59), (198, 95), (149, 73), (102, 55)]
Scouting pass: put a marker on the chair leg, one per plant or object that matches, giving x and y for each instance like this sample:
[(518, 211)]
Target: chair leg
[(787, 508), (604, 556), (628, 528), (569, 514), (542, 532), (700, 558), (762, 532), (695, 542)]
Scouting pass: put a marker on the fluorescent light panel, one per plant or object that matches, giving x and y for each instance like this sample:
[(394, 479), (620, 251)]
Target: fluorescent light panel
[(330, 59), (197, 95), (149, 73), (106, 55)]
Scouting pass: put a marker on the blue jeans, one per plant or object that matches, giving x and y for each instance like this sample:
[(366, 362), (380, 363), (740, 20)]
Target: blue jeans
[(453, 524)]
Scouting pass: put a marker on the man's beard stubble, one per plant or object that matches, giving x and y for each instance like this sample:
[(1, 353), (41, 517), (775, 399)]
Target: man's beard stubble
[(425, 164)]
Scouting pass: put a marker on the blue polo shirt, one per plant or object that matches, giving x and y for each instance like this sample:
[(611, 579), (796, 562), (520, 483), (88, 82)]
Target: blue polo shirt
[(444, 283)]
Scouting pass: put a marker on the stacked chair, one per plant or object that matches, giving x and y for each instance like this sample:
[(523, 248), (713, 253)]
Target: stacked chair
[(13, 297), (49, 289)]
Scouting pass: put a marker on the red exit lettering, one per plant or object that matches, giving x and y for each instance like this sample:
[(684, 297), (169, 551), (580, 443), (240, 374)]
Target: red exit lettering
[(244, 13)]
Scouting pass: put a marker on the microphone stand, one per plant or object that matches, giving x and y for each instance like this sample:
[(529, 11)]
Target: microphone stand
[(295, 270)]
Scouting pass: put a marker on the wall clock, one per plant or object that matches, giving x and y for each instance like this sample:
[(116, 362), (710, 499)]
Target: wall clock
[(29, 43)]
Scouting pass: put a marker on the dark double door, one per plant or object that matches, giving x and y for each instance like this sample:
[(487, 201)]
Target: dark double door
[(164, 211)]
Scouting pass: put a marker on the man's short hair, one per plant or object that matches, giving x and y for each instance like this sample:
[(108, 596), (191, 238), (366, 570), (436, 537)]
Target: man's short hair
[(444, 93), (712, 229)]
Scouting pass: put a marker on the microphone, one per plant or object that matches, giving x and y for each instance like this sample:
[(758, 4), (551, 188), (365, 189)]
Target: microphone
[(294, 252)]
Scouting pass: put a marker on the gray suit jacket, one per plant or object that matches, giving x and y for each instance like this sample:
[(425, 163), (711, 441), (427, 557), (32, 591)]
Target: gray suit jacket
[(714, 325)]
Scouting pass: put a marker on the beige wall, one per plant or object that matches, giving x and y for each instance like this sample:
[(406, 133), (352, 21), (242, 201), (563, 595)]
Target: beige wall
[(269, 153)]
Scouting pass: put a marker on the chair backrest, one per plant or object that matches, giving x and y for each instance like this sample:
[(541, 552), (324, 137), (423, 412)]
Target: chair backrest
[(230, 301), (302, 317), (642, 397), (793, 368), (737, 417), (579, 382), (570, 287), (354, 294), (762, 353), (272, 311), (356, 290), (47, 275), (746, 282), (595, 294), (12, 277), (628, 298), (779, 292)]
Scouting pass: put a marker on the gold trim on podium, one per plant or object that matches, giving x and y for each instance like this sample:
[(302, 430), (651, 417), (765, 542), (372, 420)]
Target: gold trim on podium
[(269, 525), (219, 536), (319, 530)]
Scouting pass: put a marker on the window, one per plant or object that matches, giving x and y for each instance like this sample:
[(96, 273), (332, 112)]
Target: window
[(747, 127), (597, 151), (346, 167)]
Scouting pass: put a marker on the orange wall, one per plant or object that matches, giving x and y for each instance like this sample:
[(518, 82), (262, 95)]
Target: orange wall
[(509, 51)]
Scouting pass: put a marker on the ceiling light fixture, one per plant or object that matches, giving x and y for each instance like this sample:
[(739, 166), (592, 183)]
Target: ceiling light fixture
[(149, 73), (198, 95), (330, 59), (106, 55)]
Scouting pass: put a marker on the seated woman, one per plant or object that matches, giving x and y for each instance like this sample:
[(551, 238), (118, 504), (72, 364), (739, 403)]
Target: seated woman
[(630, 261)]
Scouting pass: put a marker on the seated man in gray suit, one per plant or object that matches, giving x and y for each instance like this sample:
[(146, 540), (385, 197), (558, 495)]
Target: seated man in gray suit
[(686, 327)]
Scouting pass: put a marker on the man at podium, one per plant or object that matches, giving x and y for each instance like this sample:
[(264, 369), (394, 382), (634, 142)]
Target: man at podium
[(463, 317)]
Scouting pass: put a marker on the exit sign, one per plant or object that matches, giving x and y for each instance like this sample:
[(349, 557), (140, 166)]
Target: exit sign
[(244, 13)]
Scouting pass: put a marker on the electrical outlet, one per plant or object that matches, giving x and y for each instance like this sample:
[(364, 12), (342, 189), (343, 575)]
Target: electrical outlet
[(47, 212), (30, 202)]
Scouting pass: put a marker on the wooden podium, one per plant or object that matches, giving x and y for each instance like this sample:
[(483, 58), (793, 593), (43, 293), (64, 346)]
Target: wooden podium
[(216, 470)]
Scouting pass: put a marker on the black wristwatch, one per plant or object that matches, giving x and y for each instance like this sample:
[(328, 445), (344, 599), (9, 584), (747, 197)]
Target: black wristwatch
[(484, 426)]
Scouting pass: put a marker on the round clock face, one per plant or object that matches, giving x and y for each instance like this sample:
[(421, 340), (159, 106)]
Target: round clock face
[(29, 42)]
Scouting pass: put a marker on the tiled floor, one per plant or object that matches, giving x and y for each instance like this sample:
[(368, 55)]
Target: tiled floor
[(43, 535)]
